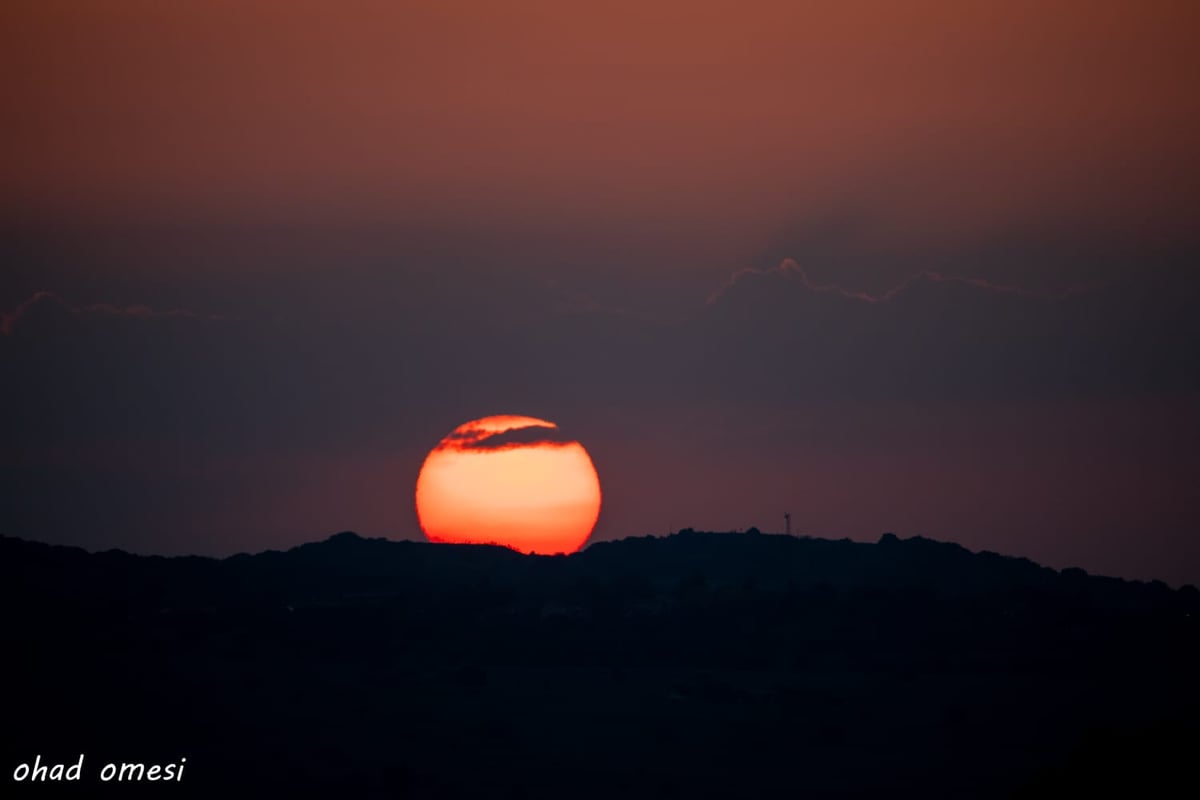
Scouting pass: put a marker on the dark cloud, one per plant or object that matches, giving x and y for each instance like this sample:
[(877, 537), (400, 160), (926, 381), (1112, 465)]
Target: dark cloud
[(769, 338), (527, 436), (935, 335)]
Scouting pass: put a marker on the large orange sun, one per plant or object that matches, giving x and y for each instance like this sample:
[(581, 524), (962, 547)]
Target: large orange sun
[(512, 481)]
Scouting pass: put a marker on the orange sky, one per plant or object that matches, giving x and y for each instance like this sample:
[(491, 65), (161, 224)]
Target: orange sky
[(956, 116)]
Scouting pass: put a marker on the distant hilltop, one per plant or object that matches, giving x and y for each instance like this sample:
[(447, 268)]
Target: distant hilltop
[(347, 566)]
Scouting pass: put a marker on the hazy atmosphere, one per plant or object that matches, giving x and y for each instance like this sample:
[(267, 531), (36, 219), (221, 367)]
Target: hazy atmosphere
[(927, 268)]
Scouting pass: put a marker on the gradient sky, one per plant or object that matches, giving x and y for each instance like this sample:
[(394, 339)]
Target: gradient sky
[(927, 267)]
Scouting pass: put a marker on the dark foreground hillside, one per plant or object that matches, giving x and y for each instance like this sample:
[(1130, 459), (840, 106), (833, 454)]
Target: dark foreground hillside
[(698, 665)]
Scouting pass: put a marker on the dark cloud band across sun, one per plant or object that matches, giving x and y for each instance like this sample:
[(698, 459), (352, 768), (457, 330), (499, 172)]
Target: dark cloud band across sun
[(503, 432)]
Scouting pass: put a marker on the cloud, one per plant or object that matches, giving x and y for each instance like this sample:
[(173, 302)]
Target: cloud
[(789, 269), (776, 333), (46, 305), (525, 433), (349, 372)]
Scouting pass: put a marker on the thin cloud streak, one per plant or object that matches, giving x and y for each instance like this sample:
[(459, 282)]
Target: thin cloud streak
[(790, 268), (10, 321)]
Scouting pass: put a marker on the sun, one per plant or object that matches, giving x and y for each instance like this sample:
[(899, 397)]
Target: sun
[(509, 480)]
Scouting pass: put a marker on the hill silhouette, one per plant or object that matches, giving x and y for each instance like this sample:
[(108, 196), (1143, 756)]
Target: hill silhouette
[(693, 665)]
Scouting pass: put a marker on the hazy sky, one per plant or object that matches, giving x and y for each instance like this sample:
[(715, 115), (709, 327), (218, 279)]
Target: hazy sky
[(925, 267)]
